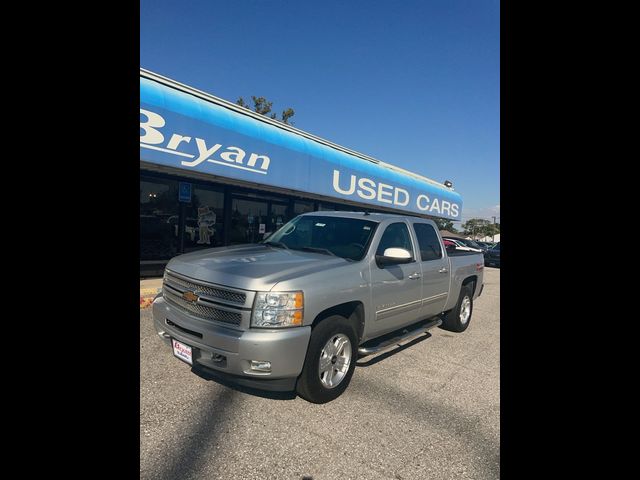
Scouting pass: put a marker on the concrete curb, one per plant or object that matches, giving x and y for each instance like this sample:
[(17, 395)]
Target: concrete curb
[(145, 302), (147, 295)]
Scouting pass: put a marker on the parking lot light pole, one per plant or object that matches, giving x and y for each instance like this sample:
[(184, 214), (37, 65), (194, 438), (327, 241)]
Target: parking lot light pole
[(493, 237)]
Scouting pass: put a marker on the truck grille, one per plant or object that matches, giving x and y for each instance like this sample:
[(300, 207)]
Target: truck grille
[(206, 307), (202, 311), (212, 292)]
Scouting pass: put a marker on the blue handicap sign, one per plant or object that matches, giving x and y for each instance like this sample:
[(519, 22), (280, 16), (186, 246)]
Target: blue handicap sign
[(184, 194)]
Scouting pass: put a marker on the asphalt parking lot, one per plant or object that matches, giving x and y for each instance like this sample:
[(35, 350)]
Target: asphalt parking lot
[(429, 409)]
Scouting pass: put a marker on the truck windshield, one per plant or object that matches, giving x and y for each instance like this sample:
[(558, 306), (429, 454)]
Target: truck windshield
[(343, 237)]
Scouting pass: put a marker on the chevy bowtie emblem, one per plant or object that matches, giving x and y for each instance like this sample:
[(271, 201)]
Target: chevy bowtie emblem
[(190, 296)]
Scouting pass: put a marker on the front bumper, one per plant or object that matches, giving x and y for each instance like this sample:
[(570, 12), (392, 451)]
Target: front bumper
[(227, 352)]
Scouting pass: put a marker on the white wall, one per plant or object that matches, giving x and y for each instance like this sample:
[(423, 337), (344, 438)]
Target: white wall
[(491, 239)]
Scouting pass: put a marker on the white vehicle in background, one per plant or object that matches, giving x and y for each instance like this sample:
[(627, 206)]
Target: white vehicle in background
[(461, 245), (473, 245)]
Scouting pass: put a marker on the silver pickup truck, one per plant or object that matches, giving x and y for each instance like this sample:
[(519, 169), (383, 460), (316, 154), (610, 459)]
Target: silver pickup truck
[(295, 311)]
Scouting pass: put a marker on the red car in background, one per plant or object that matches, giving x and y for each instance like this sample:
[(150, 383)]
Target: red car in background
[(448, 243)]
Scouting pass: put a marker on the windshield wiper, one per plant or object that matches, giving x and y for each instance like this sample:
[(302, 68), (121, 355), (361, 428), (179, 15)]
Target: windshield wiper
[(318, 250), (276, 244)]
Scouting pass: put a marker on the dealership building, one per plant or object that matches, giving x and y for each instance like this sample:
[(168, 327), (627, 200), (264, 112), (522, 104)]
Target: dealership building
[(213, 173)]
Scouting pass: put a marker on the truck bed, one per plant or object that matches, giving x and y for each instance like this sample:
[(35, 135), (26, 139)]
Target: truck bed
[(464, 265)]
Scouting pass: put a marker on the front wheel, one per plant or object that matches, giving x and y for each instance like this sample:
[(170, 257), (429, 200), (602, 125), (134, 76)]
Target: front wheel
[(457, 319), (330, 361)]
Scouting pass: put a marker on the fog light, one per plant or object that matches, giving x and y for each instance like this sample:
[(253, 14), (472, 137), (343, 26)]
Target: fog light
[(259, 366)]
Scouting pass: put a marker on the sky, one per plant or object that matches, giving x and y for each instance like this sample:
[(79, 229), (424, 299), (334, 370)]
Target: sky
[(412, 83)]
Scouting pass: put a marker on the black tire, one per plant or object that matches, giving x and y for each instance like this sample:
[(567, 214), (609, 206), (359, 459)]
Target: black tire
[(309, 385), (451, 320)]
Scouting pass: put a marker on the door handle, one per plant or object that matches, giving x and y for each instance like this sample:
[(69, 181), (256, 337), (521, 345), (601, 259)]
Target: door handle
[(443, 270), (415, 276)]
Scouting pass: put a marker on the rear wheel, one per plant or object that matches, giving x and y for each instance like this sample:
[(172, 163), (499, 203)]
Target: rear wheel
[(458, 319), (330, 361)]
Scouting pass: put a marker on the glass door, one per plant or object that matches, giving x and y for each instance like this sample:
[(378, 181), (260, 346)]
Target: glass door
[(158, 214), (278, 216), (253, 218), (248, 220)]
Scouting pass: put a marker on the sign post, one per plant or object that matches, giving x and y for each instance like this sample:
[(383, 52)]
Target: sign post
[(184, 197)]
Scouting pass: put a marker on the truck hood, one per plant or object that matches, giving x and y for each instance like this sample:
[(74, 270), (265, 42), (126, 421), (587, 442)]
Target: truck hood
[(251, 267)]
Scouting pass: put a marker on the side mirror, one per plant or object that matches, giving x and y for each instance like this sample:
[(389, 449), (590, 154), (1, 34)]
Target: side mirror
[(393, 256)]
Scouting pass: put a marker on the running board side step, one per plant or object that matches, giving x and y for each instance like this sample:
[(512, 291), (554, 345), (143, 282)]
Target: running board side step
[(405, 335)]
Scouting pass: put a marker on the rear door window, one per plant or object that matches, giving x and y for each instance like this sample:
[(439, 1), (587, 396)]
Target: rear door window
[(428, 241)]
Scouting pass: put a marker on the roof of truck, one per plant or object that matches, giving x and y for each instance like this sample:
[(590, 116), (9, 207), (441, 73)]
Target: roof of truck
[(375, 217)]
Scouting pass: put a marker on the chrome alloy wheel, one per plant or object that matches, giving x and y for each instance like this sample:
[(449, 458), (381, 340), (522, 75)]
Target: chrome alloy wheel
[(335, 359), (465, 310)]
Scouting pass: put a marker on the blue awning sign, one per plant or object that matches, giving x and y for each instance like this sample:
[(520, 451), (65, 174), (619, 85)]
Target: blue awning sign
[(183, 131)]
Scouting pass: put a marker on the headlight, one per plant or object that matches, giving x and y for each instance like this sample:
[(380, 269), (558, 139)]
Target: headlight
[(278, 309)]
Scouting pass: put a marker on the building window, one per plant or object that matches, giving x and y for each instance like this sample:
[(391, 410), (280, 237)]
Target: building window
[(278, 217), (300, 207), (248, 220), (326, 207), (204, 219), (158, 209)]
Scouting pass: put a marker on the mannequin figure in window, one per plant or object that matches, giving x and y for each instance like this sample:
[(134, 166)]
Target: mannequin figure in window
[(206, 219)]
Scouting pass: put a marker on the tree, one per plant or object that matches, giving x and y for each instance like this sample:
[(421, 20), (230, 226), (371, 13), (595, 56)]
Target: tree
[(479, 227), (444, 224), (474, 227), (287, 114), (262, 106), (492, 229)]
